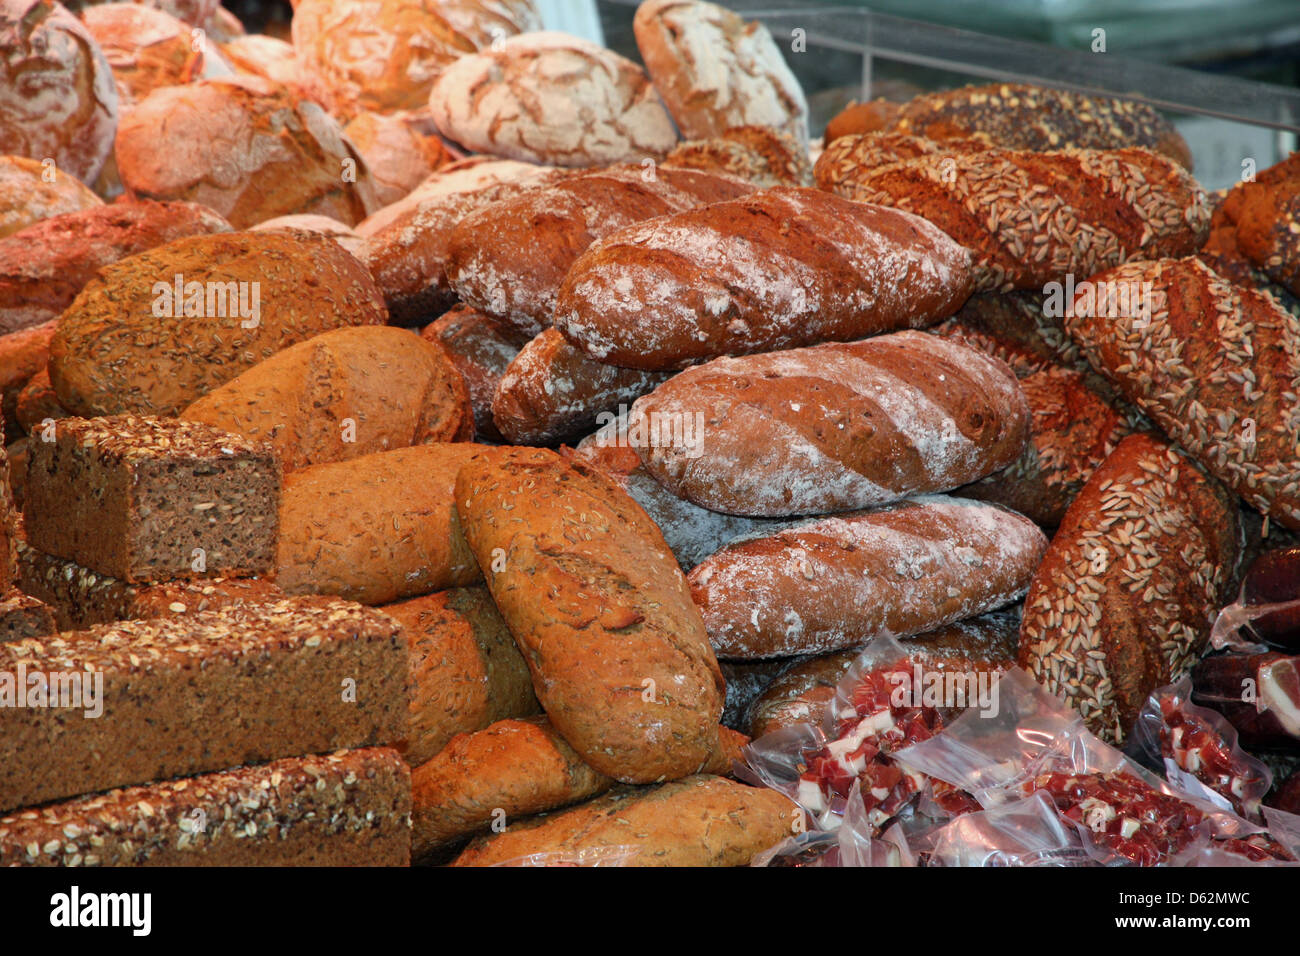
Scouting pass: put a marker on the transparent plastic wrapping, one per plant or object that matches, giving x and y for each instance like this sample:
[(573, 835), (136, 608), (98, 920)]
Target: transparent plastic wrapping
[(1026, 832), (1259, 694), (588, 856), (1232, 628)]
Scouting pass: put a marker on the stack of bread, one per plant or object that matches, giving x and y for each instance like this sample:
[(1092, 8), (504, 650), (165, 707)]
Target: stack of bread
[(457, 439)]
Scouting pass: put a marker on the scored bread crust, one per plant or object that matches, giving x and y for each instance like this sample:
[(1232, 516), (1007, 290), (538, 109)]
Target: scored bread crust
[(26, 197)]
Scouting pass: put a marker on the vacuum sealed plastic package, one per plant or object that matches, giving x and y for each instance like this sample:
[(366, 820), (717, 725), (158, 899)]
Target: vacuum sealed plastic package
[(1259, 694)]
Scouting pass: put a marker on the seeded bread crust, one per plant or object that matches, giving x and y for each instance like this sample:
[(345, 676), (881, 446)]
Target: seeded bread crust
[(22, 616), (599, 607), (1124, 598), (482, 351), (759, 155), (847, 156)]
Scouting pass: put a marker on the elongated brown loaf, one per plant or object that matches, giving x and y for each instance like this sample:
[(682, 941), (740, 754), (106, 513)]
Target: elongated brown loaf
[(482, 351), (760, 155), (377, 528), (1032, 218), (847, 156), (781, 268), (836, 582), (699, 821), (582, 576), (1264, 215), (844, 426), (466, 671), (1125, 595), (344, 394), (1017, 328), (553, 392), (1215, 366)]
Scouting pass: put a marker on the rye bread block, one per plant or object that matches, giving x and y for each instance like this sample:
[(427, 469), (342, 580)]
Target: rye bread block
[(481, 350), (618, 653), (1124, 599), (376, 529), (701, 820), (129, 343), (835, 583), (185, 695), (149, 499), (344, 394), (348, 808), (466, 671)]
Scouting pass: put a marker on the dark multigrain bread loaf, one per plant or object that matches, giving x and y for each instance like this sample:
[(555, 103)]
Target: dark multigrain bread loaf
[(349, 808), (849, 425), (847, 157), (22, 355), (1125, 596), (1264, 215), (482, 351), (760, 155), (1216, 366), (466, 671), (22, 615), (553, 392), (782, 268), (836, 582), (1032, 218), (150, 499), (184, 695), (124, 346), (619, 656), (699, 821)]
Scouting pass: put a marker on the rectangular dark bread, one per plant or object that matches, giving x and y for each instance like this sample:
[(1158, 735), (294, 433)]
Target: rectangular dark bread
[(698, 821), (781, 268), (833, 427), (150, 499), (1133, 579), (349, 808), (185, 695), (482, 351), (619, 656), (836, 582)]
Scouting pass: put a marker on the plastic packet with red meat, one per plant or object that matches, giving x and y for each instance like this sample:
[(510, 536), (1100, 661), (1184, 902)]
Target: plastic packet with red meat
[(852, 844), (1199, 751), (1259, 694), (1026, 832)]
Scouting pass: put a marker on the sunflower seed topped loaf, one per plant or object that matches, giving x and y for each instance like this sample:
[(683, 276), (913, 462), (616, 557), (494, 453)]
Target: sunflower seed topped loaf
[(1016, 328), (780, 268), (1125, 596), (348, 808), (1032, 218), (183, 695), (148, 499), (846, 157), (716, 70), (619, 656), (757, 154), (834, 583), (1216, 366), (848, 425), (482, 351)]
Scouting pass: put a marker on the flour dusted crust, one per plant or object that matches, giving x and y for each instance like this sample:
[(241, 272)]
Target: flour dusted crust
[(715, 70), (264, 56), (26, 197), (552, 98), (310, 222), (401, 149)]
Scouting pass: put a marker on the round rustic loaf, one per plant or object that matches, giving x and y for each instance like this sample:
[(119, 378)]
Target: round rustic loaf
[(127, 344), (245, 147), (265, 56), (147, 49), (30, 192), (57, 97), (461, 176), (401, 150)]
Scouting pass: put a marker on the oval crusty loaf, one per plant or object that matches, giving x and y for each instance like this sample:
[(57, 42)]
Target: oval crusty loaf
[(759, 155), (699, 821), (778, 269), (147, 48), (1127, 591), (846, 157), (22, 355), (128, 343), (466, 671), (482, 351), (1265, 216), (553, 392), (1215, 365), (377, 528), (715, 70), (401, 150), (619, 656), (1016, 328), (1032, 218), (837, 582), (509, 258), (833, 427), (37, 403), (345, 236), (344, 394), (25, 196), (551, 98)]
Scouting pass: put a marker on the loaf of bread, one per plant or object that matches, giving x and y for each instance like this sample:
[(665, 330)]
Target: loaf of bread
[(699, 821), (17, 455), (23, 616), (27, 197), (1216, 366), (716, 70), (872, 116), (583, 578), (856, 424), (759, 155), (147, 48), (746, 682), (836, 582), (848, 156), (1125, 596), (349, 808), (781, 268), (157, 330), (509, 258), (1015, 327), (552, 392), (22, 355), (344, 394), (37, 403), (482, 351), (184, 695), (1032, 218), (400, 149), (466, 671), (1264, 215), (265, 56)]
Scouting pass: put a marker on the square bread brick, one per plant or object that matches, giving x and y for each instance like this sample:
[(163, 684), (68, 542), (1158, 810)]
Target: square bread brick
[(151, 499)]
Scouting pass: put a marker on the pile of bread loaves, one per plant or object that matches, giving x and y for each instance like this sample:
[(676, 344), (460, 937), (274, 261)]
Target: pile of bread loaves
[(438, 439)]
